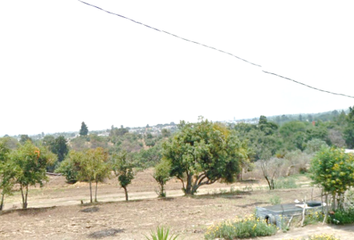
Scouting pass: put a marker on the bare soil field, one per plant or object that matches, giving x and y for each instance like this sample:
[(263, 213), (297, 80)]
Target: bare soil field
[(55, 211)]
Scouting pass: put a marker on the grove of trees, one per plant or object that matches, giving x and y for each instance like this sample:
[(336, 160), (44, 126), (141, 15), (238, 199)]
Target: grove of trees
[(196, 154)]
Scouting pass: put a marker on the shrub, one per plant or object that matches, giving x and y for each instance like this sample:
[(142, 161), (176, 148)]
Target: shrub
[(342, 217), (69, 170), (241, 228), (288, 182)]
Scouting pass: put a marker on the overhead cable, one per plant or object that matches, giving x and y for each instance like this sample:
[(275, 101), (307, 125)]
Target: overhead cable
[(216, 49)]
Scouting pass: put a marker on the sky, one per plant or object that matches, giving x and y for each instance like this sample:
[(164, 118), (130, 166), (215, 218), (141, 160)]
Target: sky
[(64, 62)]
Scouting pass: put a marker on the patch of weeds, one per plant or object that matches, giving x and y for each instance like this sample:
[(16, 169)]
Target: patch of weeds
[(313, 217), (105, 233), (241, 228), (288, 182), (275, 200)]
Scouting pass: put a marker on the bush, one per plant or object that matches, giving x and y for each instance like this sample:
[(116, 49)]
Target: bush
[(241, 228), (342, 217), (288, 182), (67, 168)]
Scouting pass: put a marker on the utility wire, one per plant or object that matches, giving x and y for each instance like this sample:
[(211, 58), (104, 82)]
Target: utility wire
[(216, 49), (174, 35), (321, 90)]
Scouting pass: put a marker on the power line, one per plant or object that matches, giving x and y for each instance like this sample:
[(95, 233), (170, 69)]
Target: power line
[(171, 34), (318, 89), (216, 49)]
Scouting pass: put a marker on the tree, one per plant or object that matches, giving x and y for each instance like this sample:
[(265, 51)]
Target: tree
[(165, 132), (68, 169), (57, 146), (123, 169), (30, 164), (24, 138), (267, 127), (334, 171), (348, 133), (162, 175), (7, 172), (202, 153), (84, 130), (91, 165)]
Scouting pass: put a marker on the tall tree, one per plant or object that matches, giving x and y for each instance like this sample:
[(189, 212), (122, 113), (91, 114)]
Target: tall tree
[(30, 164), (202, 153), (84, 130), (58, 146)]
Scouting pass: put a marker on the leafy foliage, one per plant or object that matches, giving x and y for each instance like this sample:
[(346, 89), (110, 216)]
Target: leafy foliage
[(90, 165), (162, 175), (342, 216), (7, 173), (123, 169), (241, 228), (334, 171), (30, 164), (204, 152), (83, 129)]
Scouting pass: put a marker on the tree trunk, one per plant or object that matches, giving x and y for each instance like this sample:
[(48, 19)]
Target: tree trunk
[(188, 189), (96, 192), (270, 183), (126, 193), (333, 201), (2, 200), (90, 184), (24, 196), (162, 189)]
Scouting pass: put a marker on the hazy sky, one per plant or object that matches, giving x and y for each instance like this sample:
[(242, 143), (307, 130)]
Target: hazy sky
[(63, 62)]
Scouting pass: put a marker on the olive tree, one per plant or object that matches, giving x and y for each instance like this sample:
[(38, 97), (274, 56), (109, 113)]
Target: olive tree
[(202, 153)]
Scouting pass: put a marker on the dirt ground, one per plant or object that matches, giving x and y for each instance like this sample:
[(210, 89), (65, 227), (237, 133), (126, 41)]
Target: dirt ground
[(56, 212)]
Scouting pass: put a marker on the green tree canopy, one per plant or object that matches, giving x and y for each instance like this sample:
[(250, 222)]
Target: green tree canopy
[(83, 130), (123, 169), (7, 172), (90, 165), (202, 153), (30, 164), (334, 171)]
